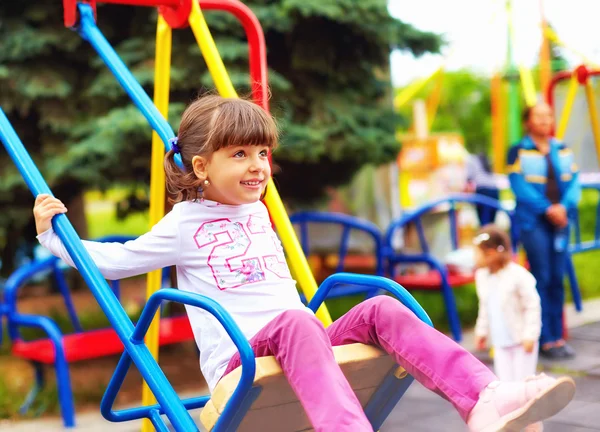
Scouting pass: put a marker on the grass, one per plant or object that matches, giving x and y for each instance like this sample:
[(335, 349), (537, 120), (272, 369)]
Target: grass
[(102, 218)]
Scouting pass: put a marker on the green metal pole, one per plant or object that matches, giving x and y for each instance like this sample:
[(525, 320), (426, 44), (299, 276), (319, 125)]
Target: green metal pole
[(512, 74)]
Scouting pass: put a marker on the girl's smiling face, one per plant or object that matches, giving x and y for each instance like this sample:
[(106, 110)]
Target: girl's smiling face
[(236, 174)]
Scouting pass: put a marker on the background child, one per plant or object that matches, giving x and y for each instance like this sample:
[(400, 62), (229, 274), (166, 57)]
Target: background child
[(509, 308), (220, 238)]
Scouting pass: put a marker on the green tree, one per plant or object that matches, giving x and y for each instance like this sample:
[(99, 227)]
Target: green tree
[(328, 72), (464, 108)]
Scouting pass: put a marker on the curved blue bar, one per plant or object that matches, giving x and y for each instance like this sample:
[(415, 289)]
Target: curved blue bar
[(339, 218), (348, 222), (90, 32), (377, 282), (123, 326), (65, 394), (241, 392), (451, 199), (21, 275)]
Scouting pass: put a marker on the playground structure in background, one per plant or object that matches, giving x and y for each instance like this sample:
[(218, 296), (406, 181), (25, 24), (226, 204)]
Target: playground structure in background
[(572, 109), (385, 385), (506, 109), (432, 165)]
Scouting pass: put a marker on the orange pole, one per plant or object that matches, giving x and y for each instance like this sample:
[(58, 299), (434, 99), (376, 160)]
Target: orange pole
[(498, 124)]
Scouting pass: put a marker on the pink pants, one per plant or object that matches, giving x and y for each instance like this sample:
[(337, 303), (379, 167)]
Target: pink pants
[(302, 346)]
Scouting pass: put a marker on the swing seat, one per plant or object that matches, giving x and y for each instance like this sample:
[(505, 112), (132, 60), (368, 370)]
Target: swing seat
[(277, 408)]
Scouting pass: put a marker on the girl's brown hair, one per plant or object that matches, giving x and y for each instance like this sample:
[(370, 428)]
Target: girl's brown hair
[(492, 237), (211, 123)]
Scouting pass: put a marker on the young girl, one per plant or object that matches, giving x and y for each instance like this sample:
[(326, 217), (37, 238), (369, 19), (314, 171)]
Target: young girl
[(221, 240), (509, 308)]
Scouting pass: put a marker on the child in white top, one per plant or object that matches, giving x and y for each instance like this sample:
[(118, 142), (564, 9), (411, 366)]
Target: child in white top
[(220, 238), (509, 308)]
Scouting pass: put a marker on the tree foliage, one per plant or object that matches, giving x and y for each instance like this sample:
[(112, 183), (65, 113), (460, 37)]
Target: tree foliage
[(328, 75), (464, 107)]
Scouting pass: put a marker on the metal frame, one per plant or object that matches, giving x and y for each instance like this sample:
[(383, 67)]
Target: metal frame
[(579, 76), (393, 258), (348, 223), (8, 308), (387, 396)]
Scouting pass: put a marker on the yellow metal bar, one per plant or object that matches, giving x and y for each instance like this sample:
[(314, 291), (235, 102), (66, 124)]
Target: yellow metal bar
[(292, 247), (409, 92), (209, 51), (433, 101), (553, 36), (528, 85), (498, 124), (545, 58), (566, 112), (296, 259), (162, 74), (591, 100)]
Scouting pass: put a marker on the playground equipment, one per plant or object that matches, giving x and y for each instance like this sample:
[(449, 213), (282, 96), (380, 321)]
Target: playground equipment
[(576, 131), (438, 277), (344, 259), (60, 349), (378, 382), (230, 415), (430, 166), (177, 14), (570, 127), (388, 257)]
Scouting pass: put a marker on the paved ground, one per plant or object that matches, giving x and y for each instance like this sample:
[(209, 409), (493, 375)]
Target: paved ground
[(422, 411)]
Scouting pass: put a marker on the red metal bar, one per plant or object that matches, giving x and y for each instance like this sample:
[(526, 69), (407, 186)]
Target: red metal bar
[(561, 76), (257, 50), (176, 12), (583, 74), (149, 3)]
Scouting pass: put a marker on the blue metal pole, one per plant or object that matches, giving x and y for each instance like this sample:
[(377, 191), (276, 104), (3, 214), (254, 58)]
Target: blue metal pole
[(378, 282), (123, 326), (90, 32)]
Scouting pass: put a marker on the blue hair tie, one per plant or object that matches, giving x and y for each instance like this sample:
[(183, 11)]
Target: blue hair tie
[(174, 145)]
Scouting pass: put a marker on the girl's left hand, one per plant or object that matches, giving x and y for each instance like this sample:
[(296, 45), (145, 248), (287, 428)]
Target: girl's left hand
[(45, 208), (528, 346)]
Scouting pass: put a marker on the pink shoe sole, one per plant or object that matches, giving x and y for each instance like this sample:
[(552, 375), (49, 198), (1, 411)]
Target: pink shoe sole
[(545, 405)]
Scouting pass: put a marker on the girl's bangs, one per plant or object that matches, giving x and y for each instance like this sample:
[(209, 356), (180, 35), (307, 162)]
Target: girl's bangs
[(246, 126)]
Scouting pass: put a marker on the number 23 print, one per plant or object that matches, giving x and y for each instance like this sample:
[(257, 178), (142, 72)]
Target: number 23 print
[(241, 253)]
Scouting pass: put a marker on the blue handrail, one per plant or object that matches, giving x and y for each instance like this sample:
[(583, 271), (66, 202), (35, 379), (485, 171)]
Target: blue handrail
[(303, 218), (582, 246), (241, 398), (378, 282), (452, 200)]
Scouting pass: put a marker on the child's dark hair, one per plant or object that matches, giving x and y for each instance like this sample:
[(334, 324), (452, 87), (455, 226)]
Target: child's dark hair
[(492, 237), (211, 123), (526, 113)]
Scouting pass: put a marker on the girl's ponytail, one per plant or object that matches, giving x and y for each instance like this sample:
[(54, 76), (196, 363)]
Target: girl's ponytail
[(182, 184)]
